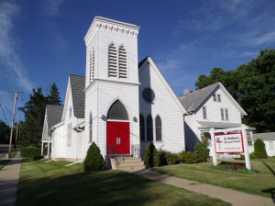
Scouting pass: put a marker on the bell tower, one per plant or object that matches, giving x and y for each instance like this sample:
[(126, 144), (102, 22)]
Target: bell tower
[(111, 75)]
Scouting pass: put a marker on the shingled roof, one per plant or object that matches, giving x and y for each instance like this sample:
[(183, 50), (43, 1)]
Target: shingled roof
[(54, 114), (78, 95), (265, 136), (196, 98)]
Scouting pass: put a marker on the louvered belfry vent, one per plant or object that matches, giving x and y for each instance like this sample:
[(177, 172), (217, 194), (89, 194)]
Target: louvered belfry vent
[(122, 60), (93, 65), (112, 61)]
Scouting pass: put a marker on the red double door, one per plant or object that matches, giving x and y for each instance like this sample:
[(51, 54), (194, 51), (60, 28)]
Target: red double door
[(118, 137)]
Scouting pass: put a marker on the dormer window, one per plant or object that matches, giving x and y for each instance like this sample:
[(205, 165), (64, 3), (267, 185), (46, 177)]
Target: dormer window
[(219, 98), (214, 97), (112, 61)]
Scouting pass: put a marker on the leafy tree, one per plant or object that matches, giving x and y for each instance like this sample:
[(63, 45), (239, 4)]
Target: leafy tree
[(94, 160), (4, 133), (259, 149), (253, 86), (54, 97), (150, 156)]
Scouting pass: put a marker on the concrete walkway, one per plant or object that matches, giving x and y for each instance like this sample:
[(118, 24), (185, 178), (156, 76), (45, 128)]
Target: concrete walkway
[(234, 197), (9, 178)]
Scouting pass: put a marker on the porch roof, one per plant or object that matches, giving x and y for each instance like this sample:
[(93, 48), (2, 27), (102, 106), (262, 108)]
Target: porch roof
[(217, 125)]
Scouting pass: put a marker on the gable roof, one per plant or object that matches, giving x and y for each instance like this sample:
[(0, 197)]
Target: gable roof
[(78, 94), (149, 60), (54, 114), (195, 99)]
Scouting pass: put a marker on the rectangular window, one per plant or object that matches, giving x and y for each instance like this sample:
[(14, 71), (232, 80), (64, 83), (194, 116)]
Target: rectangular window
[(214, 97), (118, 140), (226, 115), (219, 98), (271, 145), (222, 114), (204, 113)]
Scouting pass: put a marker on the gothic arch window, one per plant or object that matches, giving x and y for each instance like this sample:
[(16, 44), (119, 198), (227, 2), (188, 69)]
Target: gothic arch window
[(112, 60), (158, 129), (122, 62), (69, 135), (117, 111), (92, 65), (91, 127), (141, 128), (149, 128)]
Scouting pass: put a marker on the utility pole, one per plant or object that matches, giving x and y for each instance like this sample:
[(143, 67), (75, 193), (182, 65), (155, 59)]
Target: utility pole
[(12, 120)]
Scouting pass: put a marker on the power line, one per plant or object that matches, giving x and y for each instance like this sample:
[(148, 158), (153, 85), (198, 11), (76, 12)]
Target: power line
[(3, 112)]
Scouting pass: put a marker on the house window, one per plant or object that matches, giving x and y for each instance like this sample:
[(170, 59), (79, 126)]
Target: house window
[(219, 98), (222, 114), (214, 97), (158, 129), (91, 128), (204, 113), (122, 63), (271, 145), (226, 115), (149, 128), (69, 135), (141, 128), (112, 61)]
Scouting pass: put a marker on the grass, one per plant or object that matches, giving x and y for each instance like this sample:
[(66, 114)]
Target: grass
[(51, 183), (261, 181)]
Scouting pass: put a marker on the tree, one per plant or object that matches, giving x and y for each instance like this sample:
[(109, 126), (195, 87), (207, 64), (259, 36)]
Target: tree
[(253, 86), (4, 133), (94, 160), (34, 111), (151, 156), (54, 97), (259, 149)]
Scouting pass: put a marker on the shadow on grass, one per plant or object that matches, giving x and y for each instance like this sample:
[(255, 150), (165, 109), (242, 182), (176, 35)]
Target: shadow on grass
[(104, 188), (271, 191)]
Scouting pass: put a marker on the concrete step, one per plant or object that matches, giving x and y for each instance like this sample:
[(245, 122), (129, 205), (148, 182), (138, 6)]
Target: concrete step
[(126, 164)]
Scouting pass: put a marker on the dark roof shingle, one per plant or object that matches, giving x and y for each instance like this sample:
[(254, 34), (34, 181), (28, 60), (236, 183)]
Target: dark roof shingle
[(54, 114), (78, 94)]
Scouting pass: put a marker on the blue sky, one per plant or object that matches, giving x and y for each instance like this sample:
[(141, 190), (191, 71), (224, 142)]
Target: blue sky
[(41, 41)]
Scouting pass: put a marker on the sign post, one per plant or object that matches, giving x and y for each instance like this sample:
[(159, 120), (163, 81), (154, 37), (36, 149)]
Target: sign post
[(246, 152), (214, 155)]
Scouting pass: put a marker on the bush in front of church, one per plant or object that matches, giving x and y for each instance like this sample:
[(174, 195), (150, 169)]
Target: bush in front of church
[(94, 160), (259, 149), (151, 157), (201, 150)]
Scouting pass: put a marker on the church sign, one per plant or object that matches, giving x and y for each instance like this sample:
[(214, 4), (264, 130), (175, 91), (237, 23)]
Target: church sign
[(229, 143)]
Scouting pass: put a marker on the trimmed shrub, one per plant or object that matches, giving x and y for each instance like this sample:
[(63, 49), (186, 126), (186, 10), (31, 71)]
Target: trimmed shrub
[(162, 158), (94, 160), (172, 158), (30, 152), (151, 157), (38, 157), (189, 157), (259, 149), (251, 155)]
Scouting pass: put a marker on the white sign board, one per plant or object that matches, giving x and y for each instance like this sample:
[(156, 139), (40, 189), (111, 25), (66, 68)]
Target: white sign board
[(229, 143)]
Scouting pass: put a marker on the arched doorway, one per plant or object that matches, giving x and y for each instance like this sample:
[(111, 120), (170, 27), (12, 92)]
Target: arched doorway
[(118, 130)]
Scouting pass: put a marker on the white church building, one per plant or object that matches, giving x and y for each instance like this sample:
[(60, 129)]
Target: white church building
[(121, 104)]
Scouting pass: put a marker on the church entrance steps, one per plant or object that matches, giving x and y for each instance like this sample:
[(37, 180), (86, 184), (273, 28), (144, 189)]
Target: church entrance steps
[(127, 164)]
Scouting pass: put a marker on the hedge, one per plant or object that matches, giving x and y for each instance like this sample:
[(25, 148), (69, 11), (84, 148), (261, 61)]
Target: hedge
[(30, 152), (94, 160)]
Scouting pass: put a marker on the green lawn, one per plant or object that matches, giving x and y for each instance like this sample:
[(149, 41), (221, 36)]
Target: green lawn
[(51, 183), (261, 182)]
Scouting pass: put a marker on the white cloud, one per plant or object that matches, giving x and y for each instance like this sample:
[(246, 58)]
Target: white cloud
[(52, 7), (11, 64)]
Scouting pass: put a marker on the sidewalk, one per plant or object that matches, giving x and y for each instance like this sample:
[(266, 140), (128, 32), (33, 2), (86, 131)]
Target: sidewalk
[(234, 197), (9, 178)]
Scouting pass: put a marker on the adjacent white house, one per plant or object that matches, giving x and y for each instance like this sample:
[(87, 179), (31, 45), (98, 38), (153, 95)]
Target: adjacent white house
[(269, 141), (209, 107), (119, 104)]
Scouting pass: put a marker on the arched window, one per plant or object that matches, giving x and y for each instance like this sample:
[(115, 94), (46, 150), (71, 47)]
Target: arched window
[(158, 129), (149, 128), (112, 61), (117, 111), (122, 62), (141, 128), (91, 127), (92, 66), (69, 135)]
